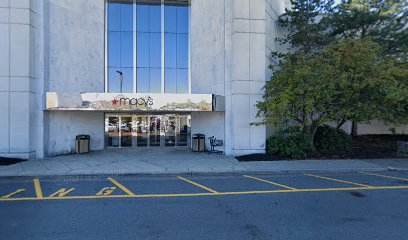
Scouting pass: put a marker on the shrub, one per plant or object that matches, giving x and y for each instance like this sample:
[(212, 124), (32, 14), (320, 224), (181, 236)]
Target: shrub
[(290, 142), (332, 139)]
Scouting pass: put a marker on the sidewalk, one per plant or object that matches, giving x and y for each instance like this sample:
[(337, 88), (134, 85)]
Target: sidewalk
[(152, 161)]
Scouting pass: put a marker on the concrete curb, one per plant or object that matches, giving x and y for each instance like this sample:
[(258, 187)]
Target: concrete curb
[(226, 173)]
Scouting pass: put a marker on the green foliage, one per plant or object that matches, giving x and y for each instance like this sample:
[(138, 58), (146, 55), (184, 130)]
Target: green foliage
[(305, 30), (347, 62), (350, 80), (332, 139), (291, 142), (384, 21), (313, 24)]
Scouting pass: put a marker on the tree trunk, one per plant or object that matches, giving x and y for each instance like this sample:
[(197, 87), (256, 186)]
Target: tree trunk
[(354, 128), (340, 124)]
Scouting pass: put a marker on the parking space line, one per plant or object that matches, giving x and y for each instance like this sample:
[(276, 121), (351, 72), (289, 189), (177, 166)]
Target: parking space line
[(210, 194), (338, 180), (385, 176), (123, 188), (62, 192), (13, 193), (37, 186), (198, 185), (270, 182)]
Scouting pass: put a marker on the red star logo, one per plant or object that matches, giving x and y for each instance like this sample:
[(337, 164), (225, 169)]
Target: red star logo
[(114, 102)]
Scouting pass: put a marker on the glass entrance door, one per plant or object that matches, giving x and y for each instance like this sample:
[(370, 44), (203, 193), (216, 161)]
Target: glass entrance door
[(170, 131), (167, 130), (126, 131), (142, 126), (154, 130), (182, 131), (112, 129)]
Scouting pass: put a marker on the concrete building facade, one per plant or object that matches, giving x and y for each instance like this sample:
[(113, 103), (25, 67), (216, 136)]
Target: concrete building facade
[(54, 50), (134, 73)]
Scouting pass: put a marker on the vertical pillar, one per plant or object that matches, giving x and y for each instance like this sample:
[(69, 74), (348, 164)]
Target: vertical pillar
[(17, 78), (246, 77)]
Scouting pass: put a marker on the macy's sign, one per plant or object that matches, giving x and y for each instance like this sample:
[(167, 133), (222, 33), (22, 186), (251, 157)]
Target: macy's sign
[(133, 101)]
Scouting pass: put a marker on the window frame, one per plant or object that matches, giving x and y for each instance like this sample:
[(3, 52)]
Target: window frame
[(163, 67)]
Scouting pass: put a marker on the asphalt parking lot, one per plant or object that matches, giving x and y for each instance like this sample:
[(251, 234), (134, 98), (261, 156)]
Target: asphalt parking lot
[(322, 205), (83, 187)]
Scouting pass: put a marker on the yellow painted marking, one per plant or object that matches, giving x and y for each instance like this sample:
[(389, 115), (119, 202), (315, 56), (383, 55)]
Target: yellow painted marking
[(13, 193), (338, 180), (209, 194), (62, 192), (106, 191), (198, 185), (385, 176), (38, 190), (117, 184), (270, 182)]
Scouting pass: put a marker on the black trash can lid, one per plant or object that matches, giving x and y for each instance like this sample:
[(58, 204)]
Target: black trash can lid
[(198, 135), (83, 137)]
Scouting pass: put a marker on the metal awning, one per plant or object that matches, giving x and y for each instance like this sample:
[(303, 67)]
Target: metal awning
[(117, 102)]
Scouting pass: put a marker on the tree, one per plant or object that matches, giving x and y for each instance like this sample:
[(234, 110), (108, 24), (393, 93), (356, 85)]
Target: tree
[(312, 25), (384, 21), (305, 29), (346, 81)]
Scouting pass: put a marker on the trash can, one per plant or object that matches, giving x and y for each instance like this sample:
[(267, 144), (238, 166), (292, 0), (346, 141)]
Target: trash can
[(82, 143), (198, 143)]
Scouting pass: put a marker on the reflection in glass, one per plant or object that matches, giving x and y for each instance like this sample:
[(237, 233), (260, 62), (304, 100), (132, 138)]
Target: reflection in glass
[(154, 131), (120, 45), (182, 81), (126, 131), (148, 80), (148, 41), (142, 127), (170, 85), (182, 134), (176, 48), (147, 130), (170, 132), (170, 50), (113, 131)]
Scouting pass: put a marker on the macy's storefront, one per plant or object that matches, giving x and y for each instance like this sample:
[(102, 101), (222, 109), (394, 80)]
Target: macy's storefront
[(133, 74), (140, 120)]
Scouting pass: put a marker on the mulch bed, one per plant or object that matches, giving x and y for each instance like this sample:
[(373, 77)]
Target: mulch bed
[(10, 161), (364, 147)]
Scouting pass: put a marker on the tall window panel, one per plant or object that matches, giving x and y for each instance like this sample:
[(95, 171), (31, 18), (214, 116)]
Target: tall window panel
[(120, 45), (176, 35), (141, 36), (149, 45)]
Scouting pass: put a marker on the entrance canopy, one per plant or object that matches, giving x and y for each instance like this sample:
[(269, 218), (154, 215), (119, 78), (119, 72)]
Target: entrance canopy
[(140, 102)]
